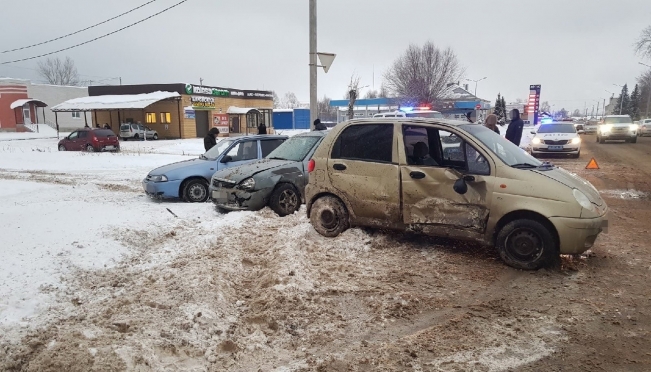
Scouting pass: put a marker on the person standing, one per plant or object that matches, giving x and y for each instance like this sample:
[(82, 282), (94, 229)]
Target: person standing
[(491, 123), (318, 125), (514, 131), (210, 140), (262, 129)]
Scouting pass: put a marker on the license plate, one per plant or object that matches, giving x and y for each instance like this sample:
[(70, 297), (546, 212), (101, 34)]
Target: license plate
[(219, 195), (552, 148), (109, 148)]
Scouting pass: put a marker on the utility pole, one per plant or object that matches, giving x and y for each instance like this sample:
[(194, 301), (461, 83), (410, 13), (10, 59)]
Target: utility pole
[(120, 80), (648, 91), (313, 70), (200, 81)]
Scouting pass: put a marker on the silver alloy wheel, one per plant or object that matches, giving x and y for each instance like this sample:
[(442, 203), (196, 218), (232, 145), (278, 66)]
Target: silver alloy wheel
[(288, 201), (197, 192)]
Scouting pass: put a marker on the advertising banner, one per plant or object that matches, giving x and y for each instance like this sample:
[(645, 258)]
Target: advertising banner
[(220, 121)]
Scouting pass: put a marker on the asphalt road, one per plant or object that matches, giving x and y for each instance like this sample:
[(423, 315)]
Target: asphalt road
[(607, 296)]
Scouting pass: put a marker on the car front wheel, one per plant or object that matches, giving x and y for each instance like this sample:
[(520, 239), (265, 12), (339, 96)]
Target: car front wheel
[(526, 244), (329, 216), (195, 191), (285, 200), (155, 137), (90, 148), (62, 148)]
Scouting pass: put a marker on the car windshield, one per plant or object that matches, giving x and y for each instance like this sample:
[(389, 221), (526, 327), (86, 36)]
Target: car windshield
[(556, 128), (431, 115), (504, 149), (217, 150), (295, 148), (618, 120)]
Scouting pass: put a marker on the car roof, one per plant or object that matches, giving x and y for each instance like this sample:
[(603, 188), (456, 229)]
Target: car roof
[(558, 122), (258, 136), (618, 116), (315, 133), (414, 120)]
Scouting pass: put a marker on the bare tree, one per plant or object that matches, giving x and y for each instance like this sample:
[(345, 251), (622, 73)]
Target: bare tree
[(277, 102), (325, 111), (372, 94), (289, 101), (422, 74), (643, 43), (353, 89), (58, 72)]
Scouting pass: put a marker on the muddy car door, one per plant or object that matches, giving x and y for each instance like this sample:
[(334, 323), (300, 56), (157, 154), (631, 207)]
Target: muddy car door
[(446, 182), (363, 168)]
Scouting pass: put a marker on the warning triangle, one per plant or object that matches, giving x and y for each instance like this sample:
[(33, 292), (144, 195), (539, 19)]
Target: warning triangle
[(592, 164)]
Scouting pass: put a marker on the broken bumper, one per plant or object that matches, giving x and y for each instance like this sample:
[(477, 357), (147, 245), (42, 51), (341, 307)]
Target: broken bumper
[(239, 200), (577, 235), (162, 190)]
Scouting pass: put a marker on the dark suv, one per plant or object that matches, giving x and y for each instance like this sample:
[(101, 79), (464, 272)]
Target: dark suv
[(90, 140)]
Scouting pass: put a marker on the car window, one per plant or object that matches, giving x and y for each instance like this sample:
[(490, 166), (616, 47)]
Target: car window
[(618, 120), (217, 150), (74, 135), (268, 146), (124, 127), (372, 143), (247, 150), (295, 149), (509, 153), (477, 163), (104, 133), (83, 134)]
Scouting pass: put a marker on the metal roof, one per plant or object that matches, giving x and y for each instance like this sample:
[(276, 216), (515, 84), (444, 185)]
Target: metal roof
[(22, 102), (114, 102)]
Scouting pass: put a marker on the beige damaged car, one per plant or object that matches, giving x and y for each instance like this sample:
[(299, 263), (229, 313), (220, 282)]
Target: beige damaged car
[(451, 179)]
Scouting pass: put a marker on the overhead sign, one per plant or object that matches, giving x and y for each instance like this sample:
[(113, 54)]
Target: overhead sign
[(224, 92), (533, 103), (202, 102)]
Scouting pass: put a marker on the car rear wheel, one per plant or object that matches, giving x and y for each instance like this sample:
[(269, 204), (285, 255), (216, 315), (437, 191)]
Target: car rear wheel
[(195, 191), (285, 200), (526, 244), (136, 136), (62, 148), (90, 148), (155, 137), (329, 216)]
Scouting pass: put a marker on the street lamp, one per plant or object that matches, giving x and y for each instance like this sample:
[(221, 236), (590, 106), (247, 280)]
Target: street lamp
[(648, 93), (621, 101), (477, 81)]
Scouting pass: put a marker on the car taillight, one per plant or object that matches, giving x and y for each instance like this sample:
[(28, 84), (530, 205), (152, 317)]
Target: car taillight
[(311, 165)]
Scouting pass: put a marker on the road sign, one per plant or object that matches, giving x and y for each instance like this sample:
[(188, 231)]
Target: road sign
[(592, 164), (326, 60), (478, 107)]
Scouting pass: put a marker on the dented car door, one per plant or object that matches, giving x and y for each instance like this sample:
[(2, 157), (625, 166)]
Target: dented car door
[(432, 162)]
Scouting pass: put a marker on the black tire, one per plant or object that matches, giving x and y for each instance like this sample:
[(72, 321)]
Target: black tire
[(136, 137), (633, 140), (578, 155), (601, 140), (195, 191), (155, 137), (329, 216), (285, 200), (62, 148), (526, 244), (90, 148)]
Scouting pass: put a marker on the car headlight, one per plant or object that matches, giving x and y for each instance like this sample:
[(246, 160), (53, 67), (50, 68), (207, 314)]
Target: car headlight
[(248, 184), (536, 141), (576, 141), (606, 127), (634, 126), (161, 178), (582, 199)]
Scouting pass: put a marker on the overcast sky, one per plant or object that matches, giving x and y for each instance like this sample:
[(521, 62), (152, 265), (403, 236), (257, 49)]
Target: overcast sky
[(577, 49)]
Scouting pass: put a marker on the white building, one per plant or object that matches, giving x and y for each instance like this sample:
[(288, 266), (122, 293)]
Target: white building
[(51, 95)]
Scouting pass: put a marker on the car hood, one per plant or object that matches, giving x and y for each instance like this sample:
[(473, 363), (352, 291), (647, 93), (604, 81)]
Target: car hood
[(556, 136), (573, 181), (185, 165), (238, 174)]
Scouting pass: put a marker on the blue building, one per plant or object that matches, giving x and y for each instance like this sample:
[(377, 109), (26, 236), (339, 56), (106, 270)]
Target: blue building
[(298, 118)]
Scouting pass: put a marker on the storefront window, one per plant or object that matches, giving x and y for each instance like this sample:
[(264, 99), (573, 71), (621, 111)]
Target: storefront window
[(267, 117), (150, 118), (252, 119)]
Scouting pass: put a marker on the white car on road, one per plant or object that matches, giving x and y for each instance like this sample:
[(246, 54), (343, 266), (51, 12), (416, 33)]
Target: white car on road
[(556, 138), (645, 127), (617, 127)]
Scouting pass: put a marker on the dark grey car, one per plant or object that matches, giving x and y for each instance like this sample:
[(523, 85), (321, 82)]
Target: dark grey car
[(277, 181)]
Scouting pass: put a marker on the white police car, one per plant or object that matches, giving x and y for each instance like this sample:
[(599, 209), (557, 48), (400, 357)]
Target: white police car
[(556, 138)]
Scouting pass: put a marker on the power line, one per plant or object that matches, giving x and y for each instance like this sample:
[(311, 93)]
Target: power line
[(76, 32), (97, 38)]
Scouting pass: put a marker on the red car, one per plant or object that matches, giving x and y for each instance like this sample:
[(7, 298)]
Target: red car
[(90, 140)]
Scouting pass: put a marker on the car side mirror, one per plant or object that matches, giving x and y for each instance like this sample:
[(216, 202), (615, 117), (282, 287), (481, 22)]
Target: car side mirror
[(460, 186), (226, 159)]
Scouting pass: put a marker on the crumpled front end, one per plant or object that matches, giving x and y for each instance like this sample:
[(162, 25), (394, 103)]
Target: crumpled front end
[(228, 196)]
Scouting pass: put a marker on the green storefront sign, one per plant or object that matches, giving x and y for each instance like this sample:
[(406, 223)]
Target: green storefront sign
[(196, 89)]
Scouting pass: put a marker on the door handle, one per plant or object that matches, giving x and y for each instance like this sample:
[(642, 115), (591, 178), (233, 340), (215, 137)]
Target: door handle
[(339, 167), (417, 175)]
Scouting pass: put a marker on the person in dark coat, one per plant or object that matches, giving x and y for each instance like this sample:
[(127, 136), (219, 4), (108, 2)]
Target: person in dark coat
[(514, 131), (318, 125), (106, 126), (262, 129), (210, 140)]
